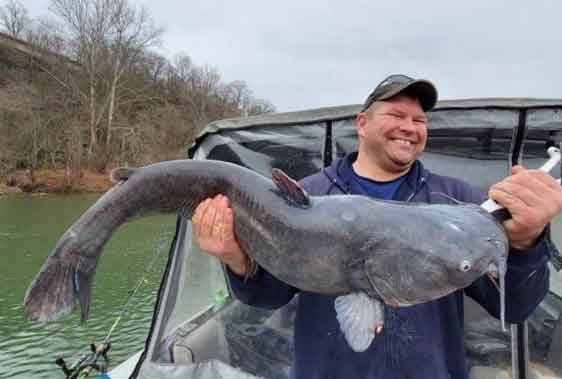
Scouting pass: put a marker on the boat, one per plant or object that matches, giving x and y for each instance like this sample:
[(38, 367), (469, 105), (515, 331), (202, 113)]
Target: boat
[(199, 330)]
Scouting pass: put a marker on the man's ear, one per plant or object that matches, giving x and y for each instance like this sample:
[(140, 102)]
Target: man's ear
[(361, 123)]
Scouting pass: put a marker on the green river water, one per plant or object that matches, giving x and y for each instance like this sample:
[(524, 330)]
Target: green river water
[(29, 228)]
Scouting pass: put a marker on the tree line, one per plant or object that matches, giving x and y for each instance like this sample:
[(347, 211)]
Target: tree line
[(94, 94)]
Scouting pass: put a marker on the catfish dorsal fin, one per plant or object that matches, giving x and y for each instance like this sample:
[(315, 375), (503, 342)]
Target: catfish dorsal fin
[(290, 189), (121, 174)]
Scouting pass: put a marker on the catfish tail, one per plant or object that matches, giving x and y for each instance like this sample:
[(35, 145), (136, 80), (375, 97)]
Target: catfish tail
[(66, 277), (55, 291), (166, 187)]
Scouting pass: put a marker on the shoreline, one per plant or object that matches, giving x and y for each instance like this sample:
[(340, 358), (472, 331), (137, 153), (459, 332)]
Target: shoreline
[(53, 182)]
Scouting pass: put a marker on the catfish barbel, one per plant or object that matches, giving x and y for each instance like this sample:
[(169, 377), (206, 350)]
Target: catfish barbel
[(363, 250)]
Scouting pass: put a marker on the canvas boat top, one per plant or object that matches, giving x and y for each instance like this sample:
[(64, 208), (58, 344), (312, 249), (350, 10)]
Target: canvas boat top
[(199, 331)]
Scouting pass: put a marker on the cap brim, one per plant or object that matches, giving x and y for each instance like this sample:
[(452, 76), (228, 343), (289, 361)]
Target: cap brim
[(424, 90)]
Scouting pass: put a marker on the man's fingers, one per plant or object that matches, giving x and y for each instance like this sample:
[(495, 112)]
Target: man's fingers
[(226, 220), (532, 188), (199, 214), (228, 230), (526, 208), (513, 204), (520, 173), (536, 180), (510, 193), (208, 220), (533, 198), (213, 220), (218, 224)]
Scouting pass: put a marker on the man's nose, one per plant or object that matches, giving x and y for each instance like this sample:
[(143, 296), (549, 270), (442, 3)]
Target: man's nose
[(408, 125)]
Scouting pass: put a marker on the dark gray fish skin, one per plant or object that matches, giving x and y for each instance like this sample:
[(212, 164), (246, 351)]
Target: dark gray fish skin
[(403, 254)]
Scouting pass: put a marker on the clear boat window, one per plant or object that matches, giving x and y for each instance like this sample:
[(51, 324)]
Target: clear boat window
[(202, 286)]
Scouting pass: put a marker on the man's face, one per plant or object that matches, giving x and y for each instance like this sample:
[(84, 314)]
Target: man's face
[(393, 132)]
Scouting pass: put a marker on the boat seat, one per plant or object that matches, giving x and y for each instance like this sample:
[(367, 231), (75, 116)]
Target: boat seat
[(198, 344), (252, 340)]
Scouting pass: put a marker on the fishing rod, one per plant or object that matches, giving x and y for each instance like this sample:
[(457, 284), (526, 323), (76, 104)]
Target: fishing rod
[(97, 359)]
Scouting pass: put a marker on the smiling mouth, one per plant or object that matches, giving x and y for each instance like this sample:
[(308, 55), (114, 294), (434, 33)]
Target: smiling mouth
[(403, 142)]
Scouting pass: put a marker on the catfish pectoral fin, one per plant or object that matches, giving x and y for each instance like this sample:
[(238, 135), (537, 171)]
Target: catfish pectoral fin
[(360, 317), (55, 291)]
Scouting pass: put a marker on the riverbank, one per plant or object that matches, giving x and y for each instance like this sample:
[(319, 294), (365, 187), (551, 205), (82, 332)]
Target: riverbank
[(54, 181)]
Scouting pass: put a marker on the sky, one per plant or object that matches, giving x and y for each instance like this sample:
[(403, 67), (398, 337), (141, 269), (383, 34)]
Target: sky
[(303, 54)]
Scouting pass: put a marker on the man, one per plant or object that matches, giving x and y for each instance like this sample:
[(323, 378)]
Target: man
[(421, 341)]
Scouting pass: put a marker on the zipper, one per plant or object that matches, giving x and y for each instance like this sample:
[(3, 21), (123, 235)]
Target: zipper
[(417, 190), (334, 182)]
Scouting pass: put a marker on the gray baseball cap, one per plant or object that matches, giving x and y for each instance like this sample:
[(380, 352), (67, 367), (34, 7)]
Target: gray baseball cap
[(423, 89)]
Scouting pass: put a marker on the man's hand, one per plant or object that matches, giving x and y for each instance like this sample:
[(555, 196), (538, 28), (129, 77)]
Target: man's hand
[(213, 229), (533, 198)]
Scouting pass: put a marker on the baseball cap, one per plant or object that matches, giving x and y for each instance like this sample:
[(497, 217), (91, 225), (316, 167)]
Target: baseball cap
[(394, 84)]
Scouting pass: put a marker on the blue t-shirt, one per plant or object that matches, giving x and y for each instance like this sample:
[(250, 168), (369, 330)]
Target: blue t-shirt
[(373, 188)]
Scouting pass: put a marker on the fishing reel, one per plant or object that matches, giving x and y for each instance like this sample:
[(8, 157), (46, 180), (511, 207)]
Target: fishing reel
[(96, 360)]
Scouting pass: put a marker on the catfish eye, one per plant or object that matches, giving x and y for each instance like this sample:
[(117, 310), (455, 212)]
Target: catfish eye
[(465, 266)]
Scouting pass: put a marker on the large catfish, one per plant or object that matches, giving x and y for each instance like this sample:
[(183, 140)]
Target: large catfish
[(363, 250)]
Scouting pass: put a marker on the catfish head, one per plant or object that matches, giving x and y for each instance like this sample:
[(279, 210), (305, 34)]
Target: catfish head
[(441, 249)]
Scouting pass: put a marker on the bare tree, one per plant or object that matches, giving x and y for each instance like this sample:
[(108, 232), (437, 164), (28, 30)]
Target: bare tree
[(92, 88), (242, 102), (108, 36), (14, 19)]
